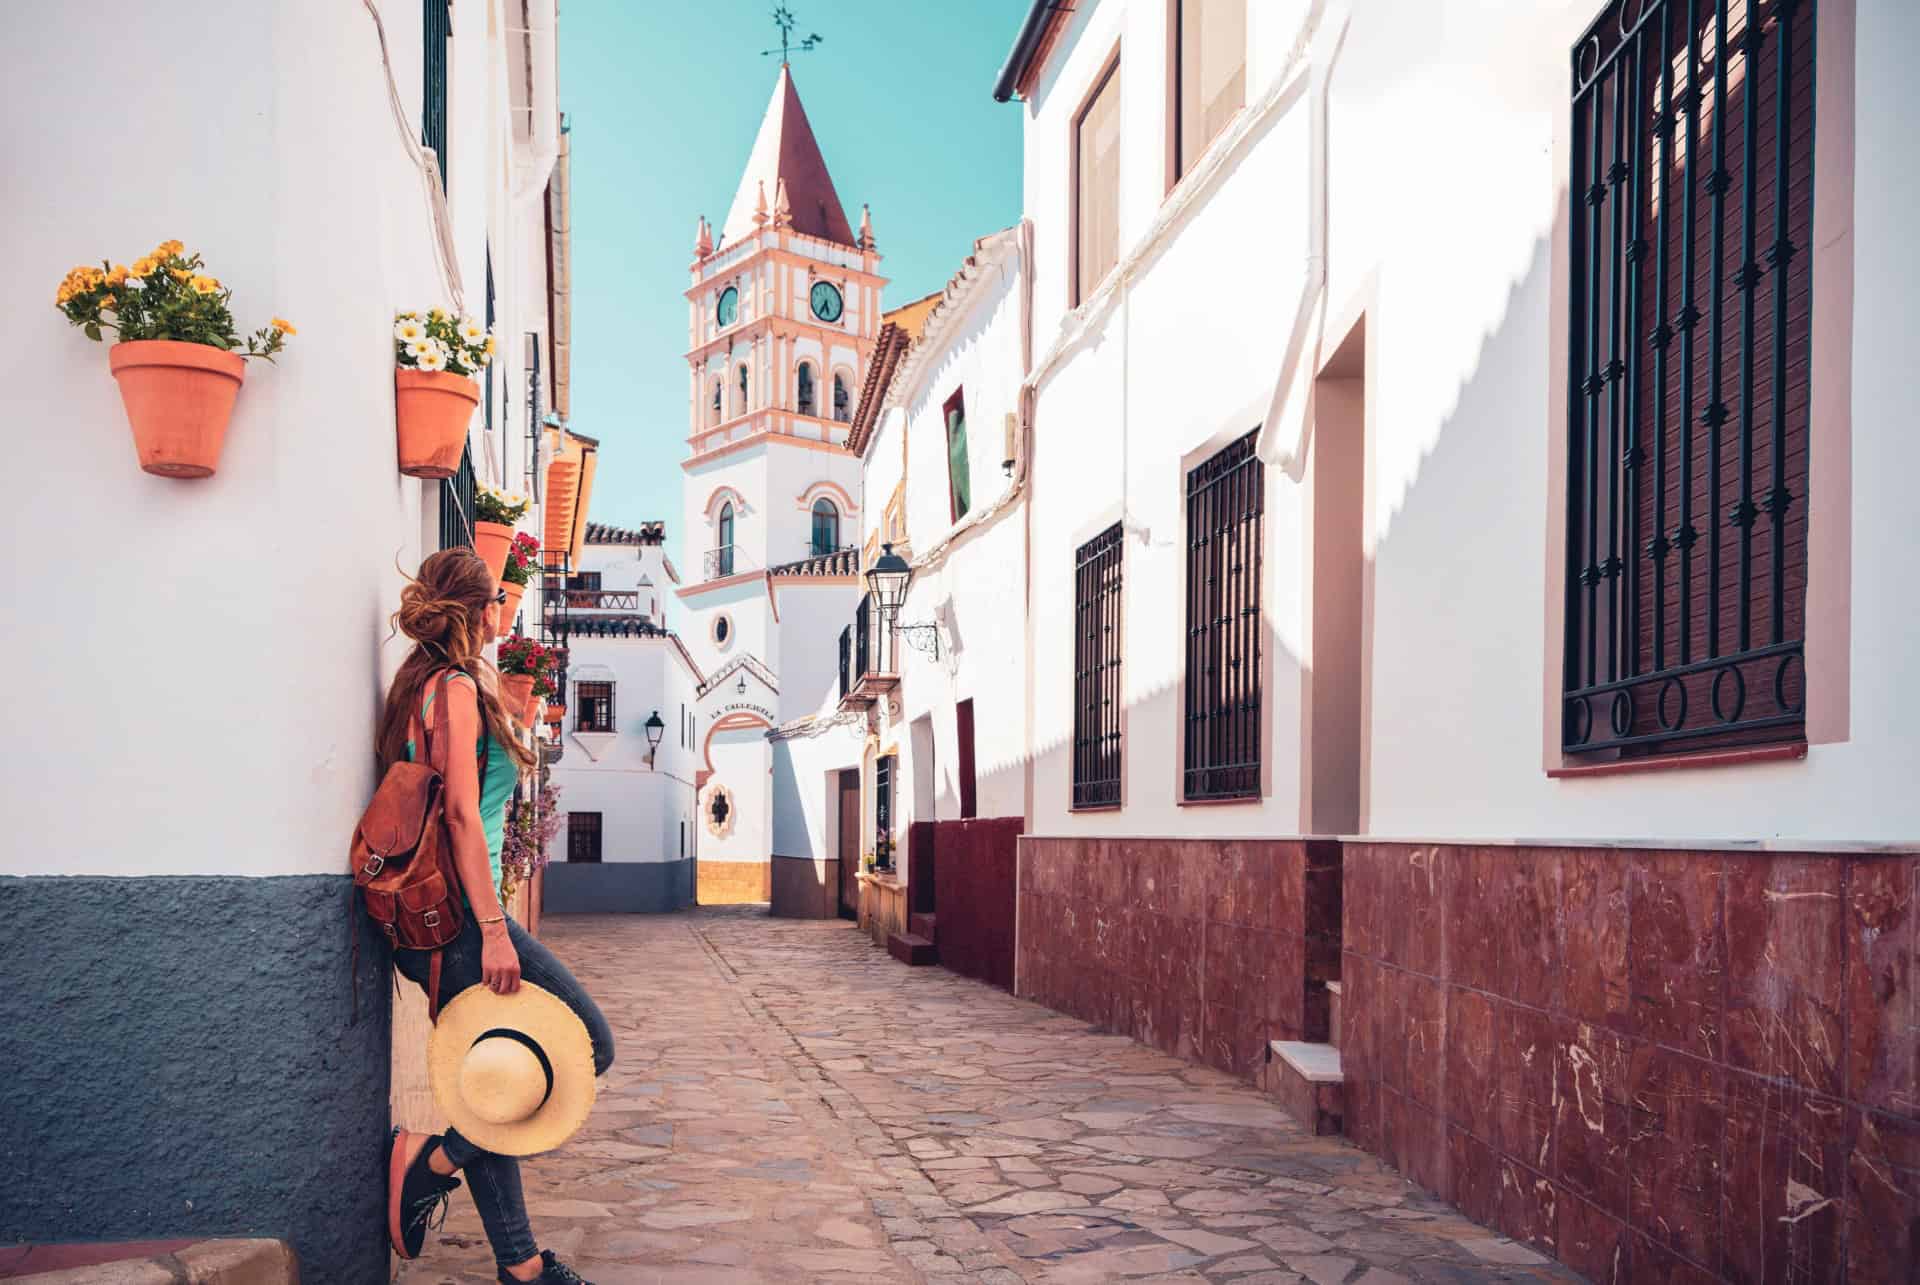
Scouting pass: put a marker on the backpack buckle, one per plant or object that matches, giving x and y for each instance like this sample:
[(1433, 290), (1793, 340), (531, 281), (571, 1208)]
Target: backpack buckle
[(389, 928), (431, 919), (374, 863)]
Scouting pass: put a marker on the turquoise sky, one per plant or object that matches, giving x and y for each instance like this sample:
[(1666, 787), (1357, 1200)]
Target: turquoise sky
[(900, 96)]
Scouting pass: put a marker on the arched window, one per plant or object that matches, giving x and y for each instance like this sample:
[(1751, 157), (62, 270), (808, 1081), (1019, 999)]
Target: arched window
[(826, 527), (716, 402), (723, 543), (804, 383), (842, 402), (743, 388)]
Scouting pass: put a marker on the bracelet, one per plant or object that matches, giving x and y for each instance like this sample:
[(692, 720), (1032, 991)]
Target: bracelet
[(497, 919)]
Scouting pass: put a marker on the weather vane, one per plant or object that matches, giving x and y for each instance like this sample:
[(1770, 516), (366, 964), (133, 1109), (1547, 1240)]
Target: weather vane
[(783, 19)]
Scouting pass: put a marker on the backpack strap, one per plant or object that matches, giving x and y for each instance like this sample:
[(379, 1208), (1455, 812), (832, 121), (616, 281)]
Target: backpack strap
[(433, 986)]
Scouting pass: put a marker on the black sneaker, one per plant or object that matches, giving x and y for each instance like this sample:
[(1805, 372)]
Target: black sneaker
[(416, 1195), (552, 1272)]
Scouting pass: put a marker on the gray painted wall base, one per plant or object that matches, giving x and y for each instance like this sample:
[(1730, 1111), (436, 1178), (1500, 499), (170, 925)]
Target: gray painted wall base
[(617, 887), (178, 1058)]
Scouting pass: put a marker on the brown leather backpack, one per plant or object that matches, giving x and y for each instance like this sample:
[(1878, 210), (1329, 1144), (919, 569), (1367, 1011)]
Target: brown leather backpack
[(402, 854)]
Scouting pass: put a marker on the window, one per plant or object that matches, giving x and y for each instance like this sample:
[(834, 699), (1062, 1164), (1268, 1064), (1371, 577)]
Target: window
[(436, 18), (826, 527), (963, 733), (959, 478), (803, 383), (1226, 501), (583, 836), (594, 707), (723, 550), (1096, 185), (720, 808), (457, 500), (584, 580), (1210, 74), (721, 630), (742, 408), (716, 402), (842, 402), (883, 811), (1096, 671), (683, 727), (1688, 413)]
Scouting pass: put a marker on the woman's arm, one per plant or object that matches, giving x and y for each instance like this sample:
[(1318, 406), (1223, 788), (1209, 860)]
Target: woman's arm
[(460, 768)]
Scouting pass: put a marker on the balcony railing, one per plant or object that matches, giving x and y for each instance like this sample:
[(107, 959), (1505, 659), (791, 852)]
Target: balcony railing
[(830, 562), (867, 663), (617, 627), (719, 562), (603, 599)]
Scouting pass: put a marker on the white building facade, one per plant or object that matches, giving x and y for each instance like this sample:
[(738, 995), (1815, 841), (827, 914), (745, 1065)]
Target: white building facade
[(180, 914)]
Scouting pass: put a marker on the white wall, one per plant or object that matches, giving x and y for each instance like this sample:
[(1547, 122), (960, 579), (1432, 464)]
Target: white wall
[(742, 763), (642, 805), (281, 162)]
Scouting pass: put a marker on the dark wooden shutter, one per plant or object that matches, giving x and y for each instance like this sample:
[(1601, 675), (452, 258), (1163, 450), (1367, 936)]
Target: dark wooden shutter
[(963, 728)]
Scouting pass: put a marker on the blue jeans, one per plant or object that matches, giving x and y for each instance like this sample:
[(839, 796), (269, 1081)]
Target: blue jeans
[(494, 1180)]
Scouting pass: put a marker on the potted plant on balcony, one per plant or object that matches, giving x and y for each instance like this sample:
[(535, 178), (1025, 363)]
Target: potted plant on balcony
[(438, 358), (527, 670), (179, 361), (494, 513), (515, 574)]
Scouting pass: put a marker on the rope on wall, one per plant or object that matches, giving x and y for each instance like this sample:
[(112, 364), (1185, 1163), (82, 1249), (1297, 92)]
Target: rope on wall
[(429, 166)]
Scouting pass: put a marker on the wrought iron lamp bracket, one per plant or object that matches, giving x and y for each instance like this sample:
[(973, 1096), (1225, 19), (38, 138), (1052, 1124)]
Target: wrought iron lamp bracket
[(923, 638)]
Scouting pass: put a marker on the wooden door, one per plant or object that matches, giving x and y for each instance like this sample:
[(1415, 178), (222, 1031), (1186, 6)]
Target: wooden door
[(849, 799)]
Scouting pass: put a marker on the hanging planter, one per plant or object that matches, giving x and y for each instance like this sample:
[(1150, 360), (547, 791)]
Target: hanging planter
[(494, 514), (431, 411), (516, 691), (179, 362), (556, 714), (437, 358), (514, 575)]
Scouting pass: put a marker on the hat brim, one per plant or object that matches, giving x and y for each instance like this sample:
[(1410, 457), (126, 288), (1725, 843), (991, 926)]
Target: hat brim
[(544, 1018)]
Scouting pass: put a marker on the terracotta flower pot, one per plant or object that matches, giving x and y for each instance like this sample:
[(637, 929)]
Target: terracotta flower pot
[(516, 691), (510, 607), (531, 714), (556, 713), (431, 411), (179, 398), (491, 540)]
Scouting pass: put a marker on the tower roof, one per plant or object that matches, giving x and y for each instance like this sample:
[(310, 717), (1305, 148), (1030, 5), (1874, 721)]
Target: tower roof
[(785, 149)]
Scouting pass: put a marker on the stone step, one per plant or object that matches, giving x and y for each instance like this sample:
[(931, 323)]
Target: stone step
[(1308, 1081), (1333, 1013), (911, 948), (922, 926)]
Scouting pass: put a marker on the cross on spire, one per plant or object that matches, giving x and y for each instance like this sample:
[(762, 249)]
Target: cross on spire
[(783, 18)]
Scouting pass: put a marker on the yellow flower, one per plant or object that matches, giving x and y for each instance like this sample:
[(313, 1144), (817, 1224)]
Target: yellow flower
[(106, 301), (438, 314), (284, 326), (167, 249), (118, 275), (62, 295), (144, 267), (179, 274), (203, 284)]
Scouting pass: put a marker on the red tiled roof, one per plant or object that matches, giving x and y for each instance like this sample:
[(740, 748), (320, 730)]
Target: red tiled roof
[(887, 349)]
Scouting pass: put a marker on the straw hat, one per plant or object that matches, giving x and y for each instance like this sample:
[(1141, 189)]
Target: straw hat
[(514, 1073)]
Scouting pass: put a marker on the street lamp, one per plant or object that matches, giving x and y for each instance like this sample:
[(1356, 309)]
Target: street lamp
[(888, 579), (655, 730), (741, 686)]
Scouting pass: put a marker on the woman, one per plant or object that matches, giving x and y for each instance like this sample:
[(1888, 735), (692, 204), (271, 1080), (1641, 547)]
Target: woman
[(450, 611)]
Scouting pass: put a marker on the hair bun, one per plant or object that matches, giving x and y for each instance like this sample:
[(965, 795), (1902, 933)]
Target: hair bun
[(425, 618)]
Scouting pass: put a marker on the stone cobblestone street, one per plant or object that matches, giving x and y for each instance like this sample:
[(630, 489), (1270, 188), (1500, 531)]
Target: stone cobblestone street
[(791, 1104)]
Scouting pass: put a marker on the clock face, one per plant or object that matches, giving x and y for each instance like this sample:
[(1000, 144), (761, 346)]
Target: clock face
[(729, 310), (826, 301)]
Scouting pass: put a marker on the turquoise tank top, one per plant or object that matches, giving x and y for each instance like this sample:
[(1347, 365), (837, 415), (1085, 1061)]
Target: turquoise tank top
[(495, 789)]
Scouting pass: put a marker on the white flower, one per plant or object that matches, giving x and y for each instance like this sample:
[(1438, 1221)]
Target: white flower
[(409, 331), (419, 348), (477, 357), (433, 359), (472, 331)]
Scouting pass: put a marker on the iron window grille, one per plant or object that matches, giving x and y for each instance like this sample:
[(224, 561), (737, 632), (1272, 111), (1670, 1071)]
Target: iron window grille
[(1226, 506), (1096, 671), (436, 31), (457, 501), (583, 836), (1688, 409), (846, 661), (883, 812), (595, 705)]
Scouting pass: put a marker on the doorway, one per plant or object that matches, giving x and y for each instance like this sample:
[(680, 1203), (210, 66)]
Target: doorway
[(847, 802)]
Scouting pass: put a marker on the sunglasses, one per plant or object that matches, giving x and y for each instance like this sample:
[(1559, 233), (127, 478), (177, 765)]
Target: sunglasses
[(500, 598)]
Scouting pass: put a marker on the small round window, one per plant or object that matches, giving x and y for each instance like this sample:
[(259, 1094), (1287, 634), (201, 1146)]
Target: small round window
[(720, 629)]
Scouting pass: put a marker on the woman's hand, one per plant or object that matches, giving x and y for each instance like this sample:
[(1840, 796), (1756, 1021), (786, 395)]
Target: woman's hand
[(499, 961)]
